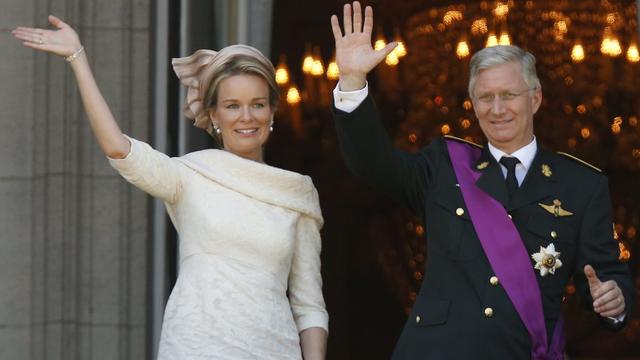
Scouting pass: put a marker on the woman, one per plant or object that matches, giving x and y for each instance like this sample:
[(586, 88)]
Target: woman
[(249, 285)]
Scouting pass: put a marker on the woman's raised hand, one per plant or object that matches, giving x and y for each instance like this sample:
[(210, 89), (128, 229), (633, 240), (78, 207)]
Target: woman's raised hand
[(354, 54), (64, 41)]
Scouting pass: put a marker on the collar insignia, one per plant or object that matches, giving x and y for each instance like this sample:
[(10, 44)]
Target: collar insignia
[(546, 170)]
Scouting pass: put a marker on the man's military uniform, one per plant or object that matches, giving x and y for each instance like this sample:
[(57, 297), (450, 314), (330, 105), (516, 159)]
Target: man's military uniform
[(462, 311)]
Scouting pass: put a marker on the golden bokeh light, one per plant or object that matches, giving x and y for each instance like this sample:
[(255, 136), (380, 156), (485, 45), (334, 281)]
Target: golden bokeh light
[(451, 16), (400, 50), (610, 46), (318, 68), (560, 27), (577, 53), (501, 10), (462, 50), (504, 39), (625, 254), (333, 72), (585, 132), (492, 40), (293, 96), (479, 27), (632, 53), (282, 75), (392, 59), (307, 64), (379, 44), (581, 109)]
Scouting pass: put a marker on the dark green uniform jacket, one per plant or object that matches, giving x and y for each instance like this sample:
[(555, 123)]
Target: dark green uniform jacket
[(461, 312)]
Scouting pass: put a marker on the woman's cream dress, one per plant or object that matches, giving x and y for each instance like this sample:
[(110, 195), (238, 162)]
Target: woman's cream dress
[(249, 276)]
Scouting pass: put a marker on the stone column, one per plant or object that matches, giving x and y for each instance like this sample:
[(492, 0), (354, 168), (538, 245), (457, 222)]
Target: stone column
[(74, 235)]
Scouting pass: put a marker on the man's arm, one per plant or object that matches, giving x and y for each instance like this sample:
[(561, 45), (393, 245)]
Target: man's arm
[(364, 142), (604, 281)]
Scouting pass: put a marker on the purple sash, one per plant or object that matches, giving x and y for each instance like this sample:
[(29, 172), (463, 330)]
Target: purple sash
[(507, 255)]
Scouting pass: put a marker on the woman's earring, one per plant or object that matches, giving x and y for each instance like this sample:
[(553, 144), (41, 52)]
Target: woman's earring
[(217, 129), (271, 126)]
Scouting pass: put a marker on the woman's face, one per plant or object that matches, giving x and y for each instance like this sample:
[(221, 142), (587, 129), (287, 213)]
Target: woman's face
[(243, 115)]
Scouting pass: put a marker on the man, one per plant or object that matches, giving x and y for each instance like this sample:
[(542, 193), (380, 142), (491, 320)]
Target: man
[(507, 224)]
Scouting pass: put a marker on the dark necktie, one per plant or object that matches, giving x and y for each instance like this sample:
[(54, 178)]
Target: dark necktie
[(512, 183)]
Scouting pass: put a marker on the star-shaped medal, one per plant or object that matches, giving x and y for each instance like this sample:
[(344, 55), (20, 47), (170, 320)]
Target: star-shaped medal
[(547, 260)]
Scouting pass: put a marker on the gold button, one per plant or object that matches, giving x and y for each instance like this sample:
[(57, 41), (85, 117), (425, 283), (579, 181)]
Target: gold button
[(494, 280), (488, 312), (554, 234), (418, 319), (460, 211)]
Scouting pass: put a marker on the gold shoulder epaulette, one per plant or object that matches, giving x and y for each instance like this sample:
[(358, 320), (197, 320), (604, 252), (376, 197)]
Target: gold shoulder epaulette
[(579, 160), (464, 141)]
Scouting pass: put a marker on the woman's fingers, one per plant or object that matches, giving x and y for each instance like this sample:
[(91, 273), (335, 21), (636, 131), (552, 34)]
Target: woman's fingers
[(28, 35)]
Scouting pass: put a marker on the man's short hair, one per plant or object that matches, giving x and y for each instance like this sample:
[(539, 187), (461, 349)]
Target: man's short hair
[(501, 54)]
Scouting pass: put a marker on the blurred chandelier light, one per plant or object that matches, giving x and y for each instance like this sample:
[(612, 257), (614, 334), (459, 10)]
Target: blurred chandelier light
[(380, 44), (392, 59), (451, 16), (610, 46), (479, 27), (400, 50), (293, 96), (282, 75), (317, 69), (307, 64), (577, 53), (333, 72), (501, 10), (632, 53), (504, 39), (462, 50), (492, 40)]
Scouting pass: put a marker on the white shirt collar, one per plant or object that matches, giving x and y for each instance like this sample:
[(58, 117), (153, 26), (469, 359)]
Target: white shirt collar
[(525, 154)]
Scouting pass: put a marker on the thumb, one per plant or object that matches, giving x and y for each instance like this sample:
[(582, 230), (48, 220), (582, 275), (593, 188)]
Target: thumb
[(592, 278), (389, 48), (381, 54), (56, 22)]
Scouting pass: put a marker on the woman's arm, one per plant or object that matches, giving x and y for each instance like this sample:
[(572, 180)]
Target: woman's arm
[(65, 42), (149, 170), (305, 290), (313, 342)]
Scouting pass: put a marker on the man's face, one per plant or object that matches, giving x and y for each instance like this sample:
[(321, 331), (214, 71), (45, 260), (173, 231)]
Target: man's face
[(504, 105)]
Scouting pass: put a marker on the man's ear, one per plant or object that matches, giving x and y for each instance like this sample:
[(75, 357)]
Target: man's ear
[(536, 100)]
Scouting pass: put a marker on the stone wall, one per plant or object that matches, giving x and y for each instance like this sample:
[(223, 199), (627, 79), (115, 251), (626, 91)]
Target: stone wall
[(73, 234)]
